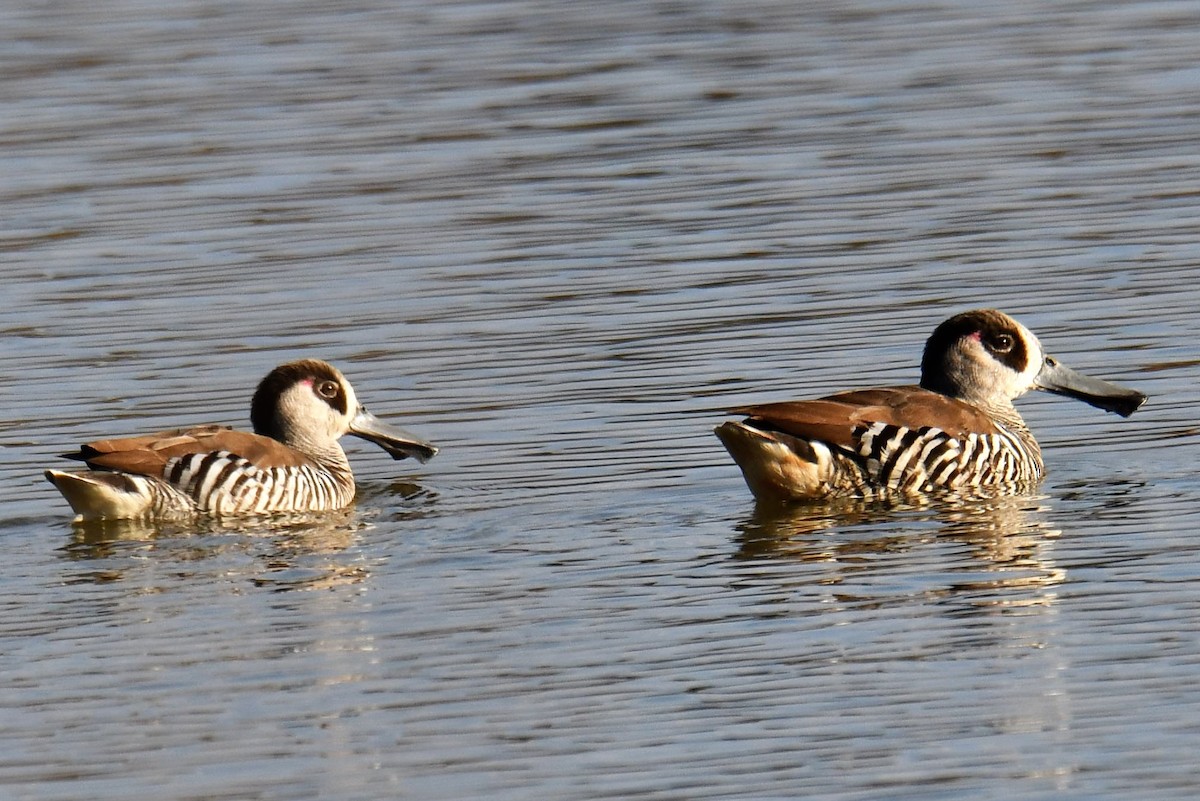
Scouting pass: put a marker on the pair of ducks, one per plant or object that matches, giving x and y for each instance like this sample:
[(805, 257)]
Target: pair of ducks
[(958, 431)]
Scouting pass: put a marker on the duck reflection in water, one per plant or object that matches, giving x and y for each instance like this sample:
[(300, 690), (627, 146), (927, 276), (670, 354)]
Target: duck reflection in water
[(1008, 539), (290, 551)]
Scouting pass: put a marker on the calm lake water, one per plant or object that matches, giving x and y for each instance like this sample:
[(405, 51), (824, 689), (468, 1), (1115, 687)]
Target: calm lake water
[(557, 239)]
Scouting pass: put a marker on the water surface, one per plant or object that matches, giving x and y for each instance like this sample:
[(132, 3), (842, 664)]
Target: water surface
[(557, 239)]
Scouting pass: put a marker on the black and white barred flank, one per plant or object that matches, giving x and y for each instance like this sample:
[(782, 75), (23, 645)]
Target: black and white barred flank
[(223, 483), (922, 459)]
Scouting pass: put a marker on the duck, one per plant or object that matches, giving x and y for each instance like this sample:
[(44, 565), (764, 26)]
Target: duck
[(291, 462), (957, 431)]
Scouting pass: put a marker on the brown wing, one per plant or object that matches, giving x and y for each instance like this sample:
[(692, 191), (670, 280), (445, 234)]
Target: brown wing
[(147, 455), (833, 419)]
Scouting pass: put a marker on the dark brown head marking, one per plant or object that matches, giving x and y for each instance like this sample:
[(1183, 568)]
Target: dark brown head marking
[(326, 385), (996, 332)]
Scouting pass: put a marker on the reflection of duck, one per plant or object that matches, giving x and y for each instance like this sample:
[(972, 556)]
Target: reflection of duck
[(1006, 534), (958, 430), (291, 463), (310, 532), (289, 550)]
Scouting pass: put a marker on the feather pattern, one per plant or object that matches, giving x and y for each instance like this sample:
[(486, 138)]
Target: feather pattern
[(292, 462), (957, 431)]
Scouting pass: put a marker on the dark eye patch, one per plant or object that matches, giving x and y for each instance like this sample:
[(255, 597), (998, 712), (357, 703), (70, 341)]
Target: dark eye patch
[(1000, 342), (1007, 347), (330, 390)]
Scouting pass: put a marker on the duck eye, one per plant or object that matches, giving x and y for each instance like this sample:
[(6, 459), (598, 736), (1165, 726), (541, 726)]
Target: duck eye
[(327, 389), (1001, 343)]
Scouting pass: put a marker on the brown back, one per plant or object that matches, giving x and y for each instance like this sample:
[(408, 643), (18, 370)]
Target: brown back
[(147, 455), (833, 419)]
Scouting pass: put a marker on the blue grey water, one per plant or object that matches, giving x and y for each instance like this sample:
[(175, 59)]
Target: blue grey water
[(557, 239)]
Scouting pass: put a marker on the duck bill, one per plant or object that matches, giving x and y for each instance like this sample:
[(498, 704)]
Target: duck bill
[(1062, 380), (398, 443)]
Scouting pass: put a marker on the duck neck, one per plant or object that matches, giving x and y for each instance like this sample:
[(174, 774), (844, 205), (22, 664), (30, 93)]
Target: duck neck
[(1006, 414), (331, 457)]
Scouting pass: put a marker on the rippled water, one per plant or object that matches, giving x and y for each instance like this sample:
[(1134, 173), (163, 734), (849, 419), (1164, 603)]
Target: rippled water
[(557, 239)]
